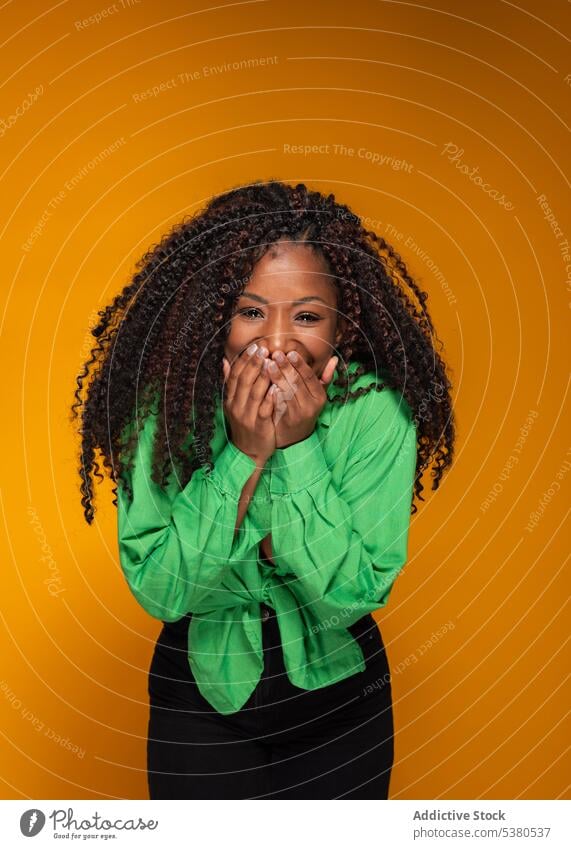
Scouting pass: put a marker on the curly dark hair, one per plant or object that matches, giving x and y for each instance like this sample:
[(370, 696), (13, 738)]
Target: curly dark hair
[(175, 316)]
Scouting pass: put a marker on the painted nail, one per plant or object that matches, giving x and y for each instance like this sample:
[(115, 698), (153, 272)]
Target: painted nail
[(280, 357), (272, 366), (292, 355), (262, 352), (251, 349)]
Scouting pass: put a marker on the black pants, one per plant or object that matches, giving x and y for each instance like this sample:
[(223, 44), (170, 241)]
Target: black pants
[(335, 742)]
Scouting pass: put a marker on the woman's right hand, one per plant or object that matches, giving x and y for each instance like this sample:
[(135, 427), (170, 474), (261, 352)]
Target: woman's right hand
[(249, 406)]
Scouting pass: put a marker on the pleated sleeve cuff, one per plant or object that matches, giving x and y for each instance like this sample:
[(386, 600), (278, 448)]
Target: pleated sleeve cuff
[(232, 470), (298, 466)]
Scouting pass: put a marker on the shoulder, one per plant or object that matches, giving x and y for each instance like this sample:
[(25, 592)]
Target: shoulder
[(380, 404), (377, 417)]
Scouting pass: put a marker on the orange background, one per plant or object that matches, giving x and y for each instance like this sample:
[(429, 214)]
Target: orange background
[(479, 703)]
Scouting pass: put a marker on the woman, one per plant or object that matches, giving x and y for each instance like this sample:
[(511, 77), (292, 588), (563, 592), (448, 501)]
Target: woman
[(267, 398)]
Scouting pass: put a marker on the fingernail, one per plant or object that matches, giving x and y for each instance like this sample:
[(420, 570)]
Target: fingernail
[(251, 348), (262, 352), (292, 356), (272, 366), (280, 357)]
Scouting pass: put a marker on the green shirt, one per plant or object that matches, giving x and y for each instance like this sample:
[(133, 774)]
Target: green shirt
[(337, 505)]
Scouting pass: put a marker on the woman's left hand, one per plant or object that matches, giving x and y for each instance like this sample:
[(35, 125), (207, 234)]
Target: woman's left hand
[(301, 397)]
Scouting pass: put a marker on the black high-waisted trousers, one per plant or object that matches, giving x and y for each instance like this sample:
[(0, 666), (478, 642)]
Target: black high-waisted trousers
[(335, 742)]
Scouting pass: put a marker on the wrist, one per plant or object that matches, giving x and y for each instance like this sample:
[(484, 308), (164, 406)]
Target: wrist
[(259, 459), (296, 441)]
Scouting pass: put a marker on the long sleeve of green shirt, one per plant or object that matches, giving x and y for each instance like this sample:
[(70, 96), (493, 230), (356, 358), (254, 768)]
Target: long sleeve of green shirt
[(175, 547), (345, 540), (337, 506)]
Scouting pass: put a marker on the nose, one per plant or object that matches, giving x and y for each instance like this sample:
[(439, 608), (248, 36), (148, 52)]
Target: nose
[(276, 344), (283, 343), (279, 335), (277, 341)]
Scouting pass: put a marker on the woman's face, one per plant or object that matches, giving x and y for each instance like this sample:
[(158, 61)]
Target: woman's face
[(267, 313)]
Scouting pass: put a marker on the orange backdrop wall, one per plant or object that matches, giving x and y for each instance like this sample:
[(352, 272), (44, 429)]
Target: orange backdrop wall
[(444, 126)]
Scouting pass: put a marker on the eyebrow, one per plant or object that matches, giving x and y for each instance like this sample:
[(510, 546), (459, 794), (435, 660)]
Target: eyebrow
[(299, 301)]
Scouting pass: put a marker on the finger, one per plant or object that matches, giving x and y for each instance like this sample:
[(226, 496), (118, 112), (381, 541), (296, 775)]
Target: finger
[(311, 382), (260, 386), (266, 408), (285, 376), (248, 392), (232, 379), (280, 407), (300, 391), (244, 371), (329, 371), (240, 362), (248, 404)]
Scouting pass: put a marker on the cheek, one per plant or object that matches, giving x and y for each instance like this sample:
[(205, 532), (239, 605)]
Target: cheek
[(235, 344), (234, 336)]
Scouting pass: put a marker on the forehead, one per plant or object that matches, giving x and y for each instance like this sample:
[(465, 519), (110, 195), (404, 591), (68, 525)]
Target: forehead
[(292, 271)]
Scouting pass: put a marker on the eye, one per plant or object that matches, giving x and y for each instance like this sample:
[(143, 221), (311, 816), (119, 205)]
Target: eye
[(307, 316), (246, 311)]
